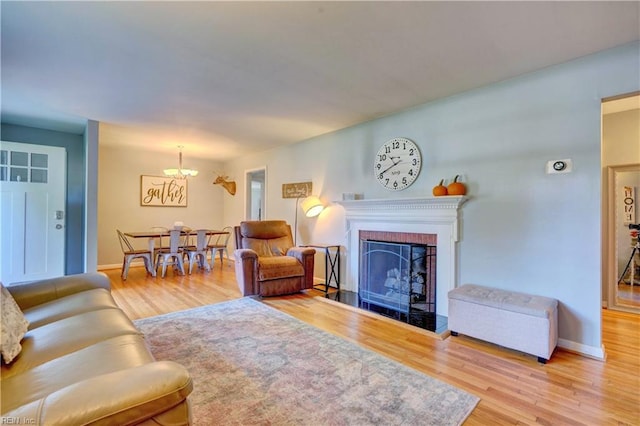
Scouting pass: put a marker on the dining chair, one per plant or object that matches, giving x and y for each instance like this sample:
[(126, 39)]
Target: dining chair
[(159, 242), (174, 253), (187, 233), (220, 245), (130, 253), (199, 251)]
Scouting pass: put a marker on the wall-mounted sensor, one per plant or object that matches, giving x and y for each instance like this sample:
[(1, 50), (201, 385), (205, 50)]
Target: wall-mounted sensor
[(559, 166)]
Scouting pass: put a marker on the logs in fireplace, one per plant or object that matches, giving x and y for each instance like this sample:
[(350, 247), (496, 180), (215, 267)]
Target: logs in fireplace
[(398, 277)]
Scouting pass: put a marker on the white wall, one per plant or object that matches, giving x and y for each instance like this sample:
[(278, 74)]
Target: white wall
[(522, 229), (119, 197)]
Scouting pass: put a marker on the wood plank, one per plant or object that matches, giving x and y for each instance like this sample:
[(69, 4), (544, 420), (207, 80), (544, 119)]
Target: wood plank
[(514, 388)]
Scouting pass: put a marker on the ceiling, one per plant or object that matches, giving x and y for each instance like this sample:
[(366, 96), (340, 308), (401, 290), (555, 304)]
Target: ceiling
[(227, 78)]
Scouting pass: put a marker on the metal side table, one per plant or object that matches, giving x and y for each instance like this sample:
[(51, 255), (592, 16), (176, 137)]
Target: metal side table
[(331, 265)]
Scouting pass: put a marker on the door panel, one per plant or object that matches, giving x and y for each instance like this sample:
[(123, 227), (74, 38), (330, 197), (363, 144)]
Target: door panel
[(32, 214)]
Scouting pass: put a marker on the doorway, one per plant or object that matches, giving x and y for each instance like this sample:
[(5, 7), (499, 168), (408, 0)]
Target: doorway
[(255, 193), (32, 214), (621, 183)]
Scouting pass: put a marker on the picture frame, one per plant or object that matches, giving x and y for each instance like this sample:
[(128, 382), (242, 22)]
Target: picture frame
[(162, 191), (296, 190)]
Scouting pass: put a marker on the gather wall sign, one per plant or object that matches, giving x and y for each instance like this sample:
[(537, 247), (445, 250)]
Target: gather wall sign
[(161, 191)]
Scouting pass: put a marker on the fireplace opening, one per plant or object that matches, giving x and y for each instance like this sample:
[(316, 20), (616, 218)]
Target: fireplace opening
[(397, 278)]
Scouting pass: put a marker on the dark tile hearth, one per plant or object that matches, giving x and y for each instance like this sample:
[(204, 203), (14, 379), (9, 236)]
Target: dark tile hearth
[(425, 320)]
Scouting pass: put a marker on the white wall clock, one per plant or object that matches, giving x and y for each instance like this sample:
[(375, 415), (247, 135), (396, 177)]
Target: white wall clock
[(397, 164)]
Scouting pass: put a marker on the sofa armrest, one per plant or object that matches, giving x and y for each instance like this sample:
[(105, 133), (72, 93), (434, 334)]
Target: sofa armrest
[(36, 293), (246, 264), (124, 397)]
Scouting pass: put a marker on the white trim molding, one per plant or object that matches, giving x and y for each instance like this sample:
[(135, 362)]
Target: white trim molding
[(586, 350)]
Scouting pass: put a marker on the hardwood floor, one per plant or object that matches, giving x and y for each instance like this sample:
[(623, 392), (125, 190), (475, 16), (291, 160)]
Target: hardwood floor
[(514, 389)]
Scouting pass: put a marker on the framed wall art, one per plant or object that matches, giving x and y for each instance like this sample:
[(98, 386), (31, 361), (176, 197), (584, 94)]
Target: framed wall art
[(161, 191), (296, 190)]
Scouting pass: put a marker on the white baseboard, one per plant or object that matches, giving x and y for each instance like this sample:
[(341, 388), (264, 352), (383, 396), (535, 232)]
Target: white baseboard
[(589, 351), (113, 266)]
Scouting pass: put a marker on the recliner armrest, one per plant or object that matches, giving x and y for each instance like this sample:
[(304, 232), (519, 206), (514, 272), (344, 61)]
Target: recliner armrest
[(124, 397), (242, 254), (301, 252), (306, 256), (246, 265), (36, 293)]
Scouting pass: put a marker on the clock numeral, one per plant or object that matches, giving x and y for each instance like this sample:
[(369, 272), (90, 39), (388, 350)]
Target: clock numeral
[(414, 162), (387, 150), (381, 176), (395, 183), (411, 172), (382, 157), (411, 151), (395, 145), (404, 180)]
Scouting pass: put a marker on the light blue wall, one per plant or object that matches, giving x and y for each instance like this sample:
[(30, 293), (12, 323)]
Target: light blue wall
[(522, 229), (75, 146)]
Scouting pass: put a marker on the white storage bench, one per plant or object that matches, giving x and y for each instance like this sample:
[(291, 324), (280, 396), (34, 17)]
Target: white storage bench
[(515, 320)]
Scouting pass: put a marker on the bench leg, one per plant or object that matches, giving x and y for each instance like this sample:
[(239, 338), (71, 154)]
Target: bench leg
[(542, 360), (454, 333)]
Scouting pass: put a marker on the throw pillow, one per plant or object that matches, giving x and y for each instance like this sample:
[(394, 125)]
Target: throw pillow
[(14, 326)]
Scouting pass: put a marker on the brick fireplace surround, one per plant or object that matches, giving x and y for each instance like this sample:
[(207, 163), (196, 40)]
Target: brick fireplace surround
[(439, 216)]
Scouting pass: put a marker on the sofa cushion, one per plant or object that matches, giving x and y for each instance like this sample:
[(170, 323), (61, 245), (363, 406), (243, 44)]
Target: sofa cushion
[(152, 394), (68, 306), (279, 267), (14, 326), (68, 335), (105, 357)]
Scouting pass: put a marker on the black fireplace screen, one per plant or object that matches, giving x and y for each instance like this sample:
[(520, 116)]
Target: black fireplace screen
[(398, 276)]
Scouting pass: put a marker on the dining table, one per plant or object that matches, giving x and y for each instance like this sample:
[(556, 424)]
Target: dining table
[(152, 235)]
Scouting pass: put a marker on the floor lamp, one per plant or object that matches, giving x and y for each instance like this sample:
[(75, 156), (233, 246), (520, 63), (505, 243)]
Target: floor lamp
[(311, 206)]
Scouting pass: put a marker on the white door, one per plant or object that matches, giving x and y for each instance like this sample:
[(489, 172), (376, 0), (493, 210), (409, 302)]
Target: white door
[(32, 211)]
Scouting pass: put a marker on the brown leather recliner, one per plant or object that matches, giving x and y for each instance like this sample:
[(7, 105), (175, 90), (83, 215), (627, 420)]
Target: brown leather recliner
[(266, 261)]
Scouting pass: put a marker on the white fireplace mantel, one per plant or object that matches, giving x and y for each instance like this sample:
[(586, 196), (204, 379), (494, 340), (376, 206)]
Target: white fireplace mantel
[(426, 215), (445, 202)]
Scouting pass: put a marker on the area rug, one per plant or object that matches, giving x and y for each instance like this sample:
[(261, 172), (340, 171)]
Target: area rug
[(254, 365)]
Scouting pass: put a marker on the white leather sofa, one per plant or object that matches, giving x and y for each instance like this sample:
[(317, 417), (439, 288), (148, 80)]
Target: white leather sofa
[(84, 362)]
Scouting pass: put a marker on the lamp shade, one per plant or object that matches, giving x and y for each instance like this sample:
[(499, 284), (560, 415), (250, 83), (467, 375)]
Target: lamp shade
[(312, 206)]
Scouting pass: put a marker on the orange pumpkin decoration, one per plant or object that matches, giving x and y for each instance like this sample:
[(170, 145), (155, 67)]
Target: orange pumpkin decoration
[(440, 189), (456, 188)]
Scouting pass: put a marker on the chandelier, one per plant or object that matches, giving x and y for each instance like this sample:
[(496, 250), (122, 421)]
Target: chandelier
[(180, 172)]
